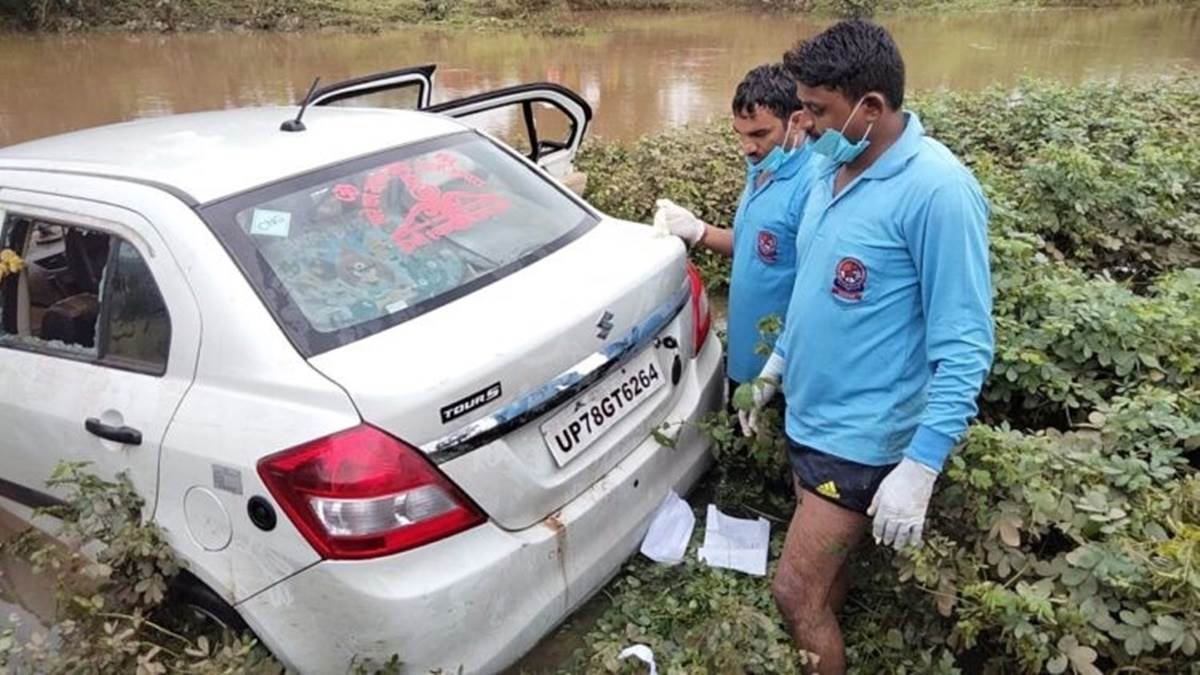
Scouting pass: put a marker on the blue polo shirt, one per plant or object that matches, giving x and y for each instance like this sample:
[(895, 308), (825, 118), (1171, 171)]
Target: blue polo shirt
[(889, 331), (764, 259)]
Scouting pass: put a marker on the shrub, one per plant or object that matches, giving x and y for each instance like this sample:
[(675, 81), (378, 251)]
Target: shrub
[(1094, 196), (111, 615), (1065, 531)]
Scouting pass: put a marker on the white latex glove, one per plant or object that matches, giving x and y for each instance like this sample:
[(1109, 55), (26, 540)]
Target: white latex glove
[(678, 221), (762, 390), (900, 502)]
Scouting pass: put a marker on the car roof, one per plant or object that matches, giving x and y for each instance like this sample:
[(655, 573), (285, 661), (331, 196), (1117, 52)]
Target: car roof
[(202, 157)]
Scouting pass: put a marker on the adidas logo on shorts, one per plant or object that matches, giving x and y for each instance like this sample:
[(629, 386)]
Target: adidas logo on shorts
[(828, 489)]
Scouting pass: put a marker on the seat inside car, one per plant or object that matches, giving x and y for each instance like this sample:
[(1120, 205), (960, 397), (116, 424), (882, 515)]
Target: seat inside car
[(72, 319), (86, 253)]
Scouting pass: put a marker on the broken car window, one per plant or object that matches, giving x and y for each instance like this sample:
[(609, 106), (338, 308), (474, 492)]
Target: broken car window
[(354, 249), (81, 293)]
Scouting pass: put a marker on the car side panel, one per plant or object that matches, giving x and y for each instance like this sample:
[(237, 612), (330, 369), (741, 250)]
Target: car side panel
[(252, 395), (48, 394)]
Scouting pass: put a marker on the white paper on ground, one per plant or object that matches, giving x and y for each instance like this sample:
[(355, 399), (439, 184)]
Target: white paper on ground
[(641, 653), (735, 543), (667, 539)]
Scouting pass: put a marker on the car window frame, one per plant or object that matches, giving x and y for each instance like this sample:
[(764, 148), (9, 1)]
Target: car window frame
[(220, 216), (99, 357)]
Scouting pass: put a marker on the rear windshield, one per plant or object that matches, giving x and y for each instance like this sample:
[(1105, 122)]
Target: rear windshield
[(347, 251)]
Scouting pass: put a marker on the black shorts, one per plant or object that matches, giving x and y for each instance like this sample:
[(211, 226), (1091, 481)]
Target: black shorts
[(732, 387), (848, 484)]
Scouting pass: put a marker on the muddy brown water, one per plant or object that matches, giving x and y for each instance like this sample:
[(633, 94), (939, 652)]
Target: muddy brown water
[(641, 71)]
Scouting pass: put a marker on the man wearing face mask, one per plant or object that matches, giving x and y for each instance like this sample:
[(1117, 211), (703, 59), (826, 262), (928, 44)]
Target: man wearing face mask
[(767, 119), (888, 335)]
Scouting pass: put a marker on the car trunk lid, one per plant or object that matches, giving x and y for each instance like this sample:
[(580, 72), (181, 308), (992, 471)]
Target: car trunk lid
[(482, 383)]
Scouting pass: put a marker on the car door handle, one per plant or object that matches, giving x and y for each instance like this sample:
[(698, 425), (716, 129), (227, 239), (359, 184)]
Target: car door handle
[(126, 435)]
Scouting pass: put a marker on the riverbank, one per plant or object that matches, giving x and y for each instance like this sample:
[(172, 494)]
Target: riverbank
[(542, 16), (643, 72)]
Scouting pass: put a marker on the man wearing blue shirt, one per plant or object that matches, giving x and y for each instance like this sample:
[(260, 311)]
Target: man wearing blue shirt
[(769, 123), (888, 335)]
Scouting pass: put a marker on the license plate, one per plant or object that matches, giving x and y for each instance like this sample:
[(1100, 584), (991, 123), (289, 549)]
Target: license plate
[(585, 419)]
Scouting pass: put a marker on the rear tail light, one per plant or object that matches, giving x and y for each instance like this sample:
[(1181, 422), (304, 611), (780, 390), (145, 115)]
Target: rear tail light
[(701, 316), (361, 493)]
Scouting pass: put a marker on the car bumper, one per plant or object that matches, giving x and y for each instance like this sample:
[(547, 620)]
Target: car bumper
[(479, 600)]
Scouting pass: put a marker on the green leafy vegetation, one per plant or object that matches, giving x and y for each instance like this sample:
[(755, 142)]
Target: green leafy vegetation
[(111, 580), (1065, 533)]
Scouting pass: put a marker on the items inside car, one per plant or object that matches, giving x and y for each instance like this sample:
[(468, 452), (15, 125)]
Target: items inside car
[(56, 297), (80, 287)]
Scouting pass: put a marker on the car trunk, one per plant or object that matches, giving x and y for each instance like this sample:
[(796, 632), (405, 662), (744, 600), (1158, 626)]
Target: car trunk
[(453, 370)]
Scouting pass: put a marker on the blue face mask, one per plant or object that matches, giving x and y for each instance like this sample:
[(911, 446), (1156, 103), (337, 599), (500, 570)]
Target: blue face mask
[(835, 146), (775, 158)]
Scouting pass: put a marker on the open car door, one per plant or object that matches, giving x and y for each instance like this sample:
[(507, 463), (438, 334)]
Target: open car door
[(544, 121), (549, 130), (407, 88)]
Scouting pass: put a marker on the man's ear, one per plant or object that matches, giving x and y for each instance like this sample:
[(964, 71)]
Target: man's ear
[(800, 121), (874, 106)]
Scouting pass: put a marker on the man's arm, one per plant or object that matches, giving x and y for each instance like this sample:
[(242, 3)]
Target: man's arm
[(717, 239), (949, 245)]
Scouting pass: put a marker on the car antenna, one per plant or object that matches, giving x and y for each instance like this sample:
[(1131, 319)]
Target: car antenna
[(296, 124)]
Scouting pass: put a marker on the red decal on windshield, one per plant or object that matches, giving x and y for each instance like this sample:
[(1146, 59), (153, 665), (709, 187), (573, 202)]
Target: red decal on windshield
[(375, 217), (374, 186), (437, 215), (377, 181), (345, 192)]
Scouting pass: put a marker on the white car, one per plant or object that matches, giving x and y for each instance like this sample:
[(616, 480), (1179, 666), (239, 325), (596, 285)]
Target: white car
[(386, 384)]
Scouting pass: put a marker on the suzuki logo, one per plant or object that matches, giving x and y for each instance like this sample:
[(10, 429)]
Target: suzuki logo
[(605, 325)]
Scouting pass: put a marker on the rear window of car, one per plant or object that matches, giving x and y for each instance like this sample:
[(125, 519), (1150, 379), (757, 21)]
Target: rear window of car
[(352, 249)]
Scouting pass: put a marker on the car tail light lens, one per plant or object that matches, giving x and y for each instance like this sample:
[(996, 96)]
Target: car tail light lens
[(361, 493), (701, 316)]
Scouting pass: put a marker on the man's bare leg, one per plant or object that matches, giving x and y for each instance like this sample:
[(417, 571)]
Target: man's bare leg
[(813, 576), (841, 584)]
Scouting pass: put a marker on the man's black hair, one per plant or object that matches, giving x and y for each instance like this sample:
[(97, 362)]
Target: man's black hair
[(768, 86), (852, 57)]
